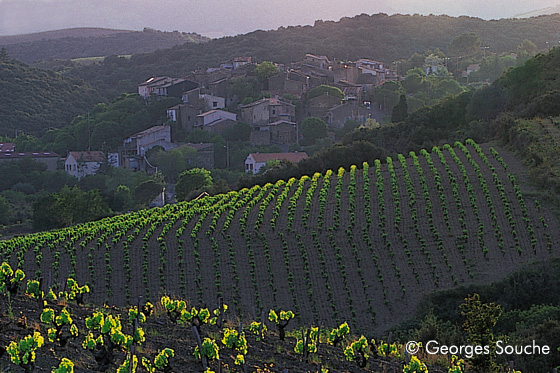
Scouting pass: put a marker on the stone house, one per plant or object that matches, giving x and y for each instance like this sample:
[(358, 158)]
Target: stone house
[(267, 110), (133, 151), (186, 114), (50, 159), (255, 161), (80, 164), (318, 106), (215, 120)]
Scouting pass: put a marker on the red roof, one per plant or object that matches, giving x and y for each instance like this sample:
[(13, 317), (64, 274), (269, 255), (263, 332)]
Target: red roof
[(89, 156), (292, 157), (7, 147), (15, 155)]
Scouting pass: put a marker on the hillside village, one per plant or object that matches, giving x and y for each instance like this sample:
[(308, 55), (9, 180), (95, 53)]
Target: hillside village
[(208, 104)]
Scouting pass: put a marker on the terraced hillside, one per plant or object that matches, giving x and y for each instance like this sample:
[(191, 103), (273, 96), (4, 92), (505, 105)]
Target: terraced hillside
[(359, 245)]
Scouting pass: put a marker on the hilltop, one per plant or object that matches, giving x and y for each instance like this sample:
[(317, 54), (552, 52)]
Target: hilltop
[(40, 99), (540, 12), (92, 42), (379, 36), (77, 32)]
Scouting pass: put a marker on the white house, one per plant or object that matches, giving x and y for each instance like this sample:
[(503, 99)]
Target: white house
[(80, 164), (255, 161)]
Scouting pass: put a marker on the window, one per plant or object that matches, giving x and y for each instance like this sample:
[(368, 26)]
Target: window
[(214, 103), (273, 111)]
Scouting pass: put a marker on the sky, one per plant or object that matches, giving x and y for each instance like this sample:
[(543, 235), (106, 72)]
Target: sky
[(217, 18)]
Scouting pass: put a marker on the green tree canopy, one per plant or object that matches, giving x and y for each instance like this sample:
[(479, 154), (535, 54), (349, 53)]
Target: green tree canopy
[(68, 207), (325, 90), (265, 70), (312, 129), (192, 180), (464, 45), (480, 319), (146, 191), (5, 211), (171, 163), (400, 111)]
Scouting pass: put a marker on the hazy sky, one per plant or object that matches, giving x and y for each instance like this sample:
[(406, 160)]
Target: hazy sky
[(229, 17)]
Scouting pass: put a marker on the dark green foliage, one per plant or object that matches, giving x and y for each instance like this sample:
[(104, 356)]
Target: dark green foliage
[(240, 131), (114, 43), (464, 45), (39, 99), (244, 89), (105, 126), (68, 207), (192, 180), (325, 90), (313, 129), (146, 191), (5, 211), (171, 163), (480, 319), (400, 111), (265, 70)]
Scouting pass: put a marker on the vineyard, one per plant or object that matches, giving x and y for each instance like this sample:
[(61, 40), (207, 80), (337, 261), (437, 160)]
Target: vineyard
[(360, 245)]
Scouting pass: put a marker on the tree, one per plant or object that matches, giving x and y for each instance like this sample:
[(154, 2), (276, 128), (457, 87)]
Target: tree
[(123, 198), (242, 87), (480, 319), (240, 131), (325, 90), (4, 56), (526, 50), (265, 70), (171, 163), (68, 207), (415, 80), (5, 211), (400, 111), (146, 191), (192, 180), (464, 45), (370, 123), (312, 129)]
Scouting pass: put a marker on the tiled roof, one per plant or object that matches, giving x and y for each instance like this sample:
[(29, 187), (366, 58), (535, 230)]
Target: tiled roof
[(271, 101), (292, 157), (7, 147), (156, 80), (280, 122), (201, 146), (150, 130), (14, 155), (89, 156)]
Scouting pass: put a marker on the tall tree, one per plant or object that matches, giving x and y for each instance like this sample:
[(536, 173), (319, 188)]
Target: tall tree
[(313, 129), (400, 111), (480, 319), (191, 180)]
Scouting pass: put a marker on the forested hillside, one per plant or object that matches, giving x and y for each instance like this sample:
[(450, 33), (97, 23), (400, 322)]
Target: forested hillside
[(35, 100), (70, 44), (380, 37)]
